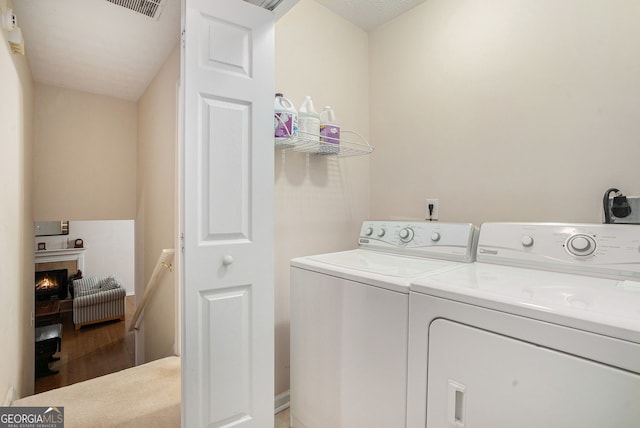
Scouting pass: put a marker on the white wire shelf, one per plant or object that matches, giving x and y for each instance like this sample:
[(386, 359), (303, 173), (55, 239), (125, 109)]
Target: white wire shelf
[(350, 144)]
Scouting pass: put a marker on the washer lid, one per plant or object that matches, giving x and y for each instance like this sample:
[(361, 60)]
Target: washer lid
[(376, 268), (598, 305)]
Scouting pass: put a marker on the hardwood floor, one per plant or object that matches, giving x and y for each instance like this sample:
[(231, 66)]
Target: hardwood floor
[(92, 351)]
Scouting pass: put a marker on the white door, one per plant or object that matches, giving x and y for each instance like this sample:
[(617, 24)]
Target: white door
[(482, 379), (227, 331)]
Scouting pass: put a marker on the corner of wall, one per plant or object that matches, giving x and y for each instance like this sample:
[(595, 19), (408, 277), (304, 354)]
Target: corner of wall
[(16, 248)]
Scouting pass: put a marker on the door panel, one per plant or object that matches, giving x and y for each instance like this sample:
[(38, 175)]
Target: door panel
[(225, 149), (226, 315), (481, 379), (227, 336), (226, 46)]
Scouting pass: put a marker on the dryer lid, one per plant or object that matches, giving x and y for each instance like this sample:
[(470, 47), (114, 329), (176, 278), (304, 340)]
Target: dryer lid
[(383, 270), (382, 263)]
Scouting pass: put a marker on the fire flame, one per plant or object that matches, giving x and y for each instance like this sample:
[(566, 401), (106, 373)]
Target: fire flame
[(46, 284)]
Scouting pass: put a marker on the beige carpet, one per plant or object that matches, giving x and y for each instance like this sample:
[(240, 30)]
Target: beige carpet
[(143, 396)]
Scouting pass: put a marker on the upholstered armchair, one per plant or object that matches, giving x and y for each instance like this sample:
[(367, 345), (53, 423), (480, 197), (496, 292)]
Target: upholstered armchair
[(97, 300)]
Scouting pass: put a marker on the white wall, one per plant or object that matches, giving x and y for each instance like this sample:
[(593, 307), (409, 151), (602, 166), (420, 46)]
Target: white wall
[(85, 156), (319, 201), (109, 248), (523, 111), (156, 220), (16, 220)]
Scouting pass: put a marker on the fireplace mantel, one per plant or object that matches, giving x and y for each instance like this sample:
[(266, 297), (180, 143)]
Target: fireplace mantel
[(61, 255)]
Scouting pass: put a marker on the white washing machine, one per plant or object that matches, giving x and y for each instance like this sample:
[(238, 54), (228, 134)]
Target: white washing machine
[(542, 331), (349, 322)]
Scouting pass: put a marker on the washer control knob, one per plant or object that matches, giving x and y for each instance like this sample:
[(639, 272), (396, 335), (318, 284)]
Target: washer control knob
[(581, 245), (435, 236), (406, 234), (527, 241), (381, 233), (368, 231)]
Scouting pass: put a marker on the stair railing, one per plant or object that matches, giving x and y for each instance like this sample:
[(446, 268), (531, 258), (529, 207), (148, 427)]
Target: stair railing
[(164, 262)]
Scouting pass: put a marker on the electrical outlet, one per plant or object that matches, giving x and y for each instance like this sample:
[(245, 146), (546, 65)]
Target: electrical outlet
[(432, 215)]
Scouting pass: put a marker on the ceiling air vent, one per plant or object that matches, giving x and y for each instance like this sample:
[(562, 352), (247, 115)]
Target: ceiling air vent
[(150, 8), (267, 4)]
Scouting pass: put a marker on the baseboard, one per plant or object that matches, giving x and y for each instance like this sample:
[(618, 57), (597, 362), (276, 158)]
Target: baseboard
[(282, 402), (11, 396)]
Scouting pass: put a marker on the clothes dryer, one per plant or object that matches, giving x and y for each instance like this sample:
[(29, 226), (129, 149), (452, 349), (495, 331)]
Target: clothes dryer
[(349, 321), (542, 331)]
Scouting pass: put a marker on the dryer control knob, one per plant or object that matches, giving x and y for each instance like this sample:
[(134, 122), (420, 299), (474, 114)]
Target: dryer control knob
[(527, 241), (435, 236), (368, 231), (406, 234), (381, 233)]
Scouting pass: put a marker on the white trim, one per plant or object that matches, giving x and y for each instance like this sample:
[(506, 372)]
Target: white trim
[(139, 341), (11, 396), (177, 258), (61, 255), (282, 402)]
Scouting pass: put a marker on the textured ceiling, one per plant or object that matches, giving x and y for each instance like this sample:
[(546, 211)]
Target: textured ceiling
[(95, 46), (368, 14)]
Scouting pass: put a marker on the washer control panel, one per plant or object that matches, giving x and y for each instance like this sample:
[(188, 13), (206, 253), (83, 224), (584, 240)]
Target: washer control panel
[(605, 250), (449, 241)]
